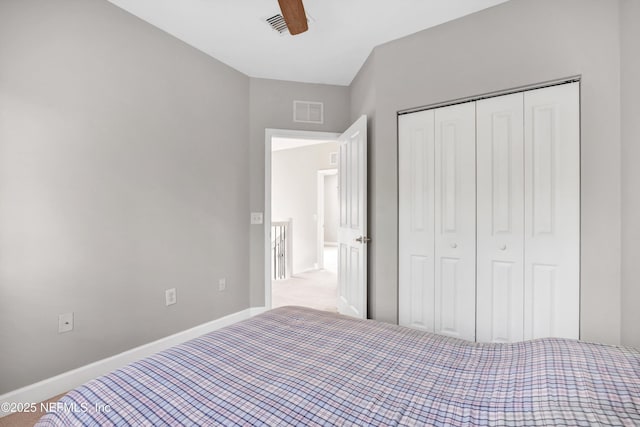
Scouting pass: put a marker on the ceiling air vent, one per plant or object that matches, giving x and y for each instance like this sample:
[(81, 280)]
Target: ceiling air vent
[(308, 112), (277, 23)]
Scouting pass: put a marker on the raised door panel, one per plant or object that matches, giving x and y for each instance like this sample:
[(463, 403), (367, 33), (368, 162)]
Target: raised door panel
[(416, 177), (455, 221), (552, 212), (500, 219)]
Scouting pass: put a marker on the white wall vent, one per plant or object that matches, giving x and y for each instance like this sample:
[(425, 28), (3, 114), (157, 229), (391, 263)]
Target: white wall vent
[(277, 23), (308, 112)]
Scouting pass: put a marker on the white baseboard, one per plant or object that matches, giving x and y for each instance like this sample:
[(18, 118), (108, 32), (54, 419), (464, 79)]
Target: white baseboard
[(66, 381), (254, 311)]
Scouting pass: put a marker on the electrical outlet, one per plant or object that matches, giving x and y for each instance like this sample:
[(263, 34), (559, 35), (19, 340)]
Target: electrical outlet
[(65, 322), (170, 296), (222, 284)]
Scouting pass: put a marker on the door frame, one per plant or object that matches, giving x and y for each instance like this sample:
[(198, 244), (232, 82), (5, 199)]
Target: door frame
[(322, 174), (269, 134)]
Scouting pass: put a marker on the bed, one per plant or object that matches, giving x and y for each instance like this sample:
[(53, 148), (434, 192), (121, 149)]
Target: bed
[(298, 366)]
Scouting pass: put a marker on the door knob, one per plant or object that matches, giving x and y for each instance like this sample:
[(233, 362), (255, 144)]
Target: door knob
[(363, 239), (503, 247), (454, 245)]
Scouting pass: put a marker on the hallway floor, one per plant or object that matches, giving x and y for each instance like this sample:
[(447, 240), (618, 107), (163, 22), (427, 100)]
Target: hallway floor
[(315, 289)]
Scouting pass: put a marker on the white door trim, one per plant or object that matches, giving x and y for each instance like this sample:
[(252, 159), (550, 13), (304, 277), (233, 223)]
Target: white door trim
[(269, 134)]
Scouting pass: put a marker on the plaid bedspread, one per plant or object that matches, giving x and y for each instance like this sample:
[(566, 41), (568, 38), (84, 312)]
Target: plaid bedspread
[(296, 366)]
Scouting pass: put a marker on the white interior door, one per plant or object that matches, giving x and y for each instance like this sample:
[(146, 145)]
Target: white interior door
[(552, 212), (500, 218), (416, 222), (455, 221), (352, 229)]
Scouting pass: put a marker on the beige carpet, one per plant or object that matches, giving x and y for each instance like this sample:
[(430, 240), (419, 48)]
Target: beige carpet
[(315, 289), (26, 419)]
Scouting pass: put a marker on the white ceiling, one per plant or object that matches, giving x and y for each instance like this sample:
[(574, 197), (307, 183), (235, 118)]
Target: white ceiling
[(340, 38)]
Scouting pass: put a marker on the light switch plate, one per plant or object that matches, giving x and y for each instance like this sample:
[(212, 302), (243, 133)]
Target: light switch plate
[(256, 218)]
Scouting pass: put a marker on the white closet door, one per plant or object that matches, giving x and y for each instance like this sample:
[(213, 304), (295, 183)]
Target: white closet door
[(500, 216), (416, 223), (455, 220), (552, 212)]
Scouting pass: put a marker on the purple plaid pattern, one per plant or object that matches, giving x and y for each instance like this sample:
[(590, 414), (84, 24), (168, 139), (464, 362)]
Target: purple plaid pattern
[(297, 366)]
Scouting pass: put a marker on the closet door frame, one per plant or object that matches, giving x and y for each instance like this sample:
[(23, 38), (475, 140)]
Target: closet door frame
[(531, 308)]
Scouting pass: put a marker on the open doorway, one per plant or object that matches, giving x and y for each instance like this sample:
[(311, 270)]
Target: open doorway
[(328, 211), (303, 221), (352, 240)]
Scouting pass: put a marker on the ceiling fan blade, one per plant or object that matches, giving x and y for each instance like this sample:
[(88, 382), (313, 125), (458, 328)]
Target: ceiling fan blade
[(294, 16)]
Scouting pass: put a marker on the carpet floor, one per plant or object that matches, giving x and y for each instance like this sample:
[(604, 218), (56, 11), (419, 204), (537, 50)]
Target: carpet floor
[(315, 289)]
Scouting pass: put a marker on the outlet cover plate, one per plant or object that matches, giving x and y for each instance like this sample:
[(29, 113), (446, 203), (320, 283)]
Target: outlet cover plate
[(170, 296), (256, 218), (65, 322)]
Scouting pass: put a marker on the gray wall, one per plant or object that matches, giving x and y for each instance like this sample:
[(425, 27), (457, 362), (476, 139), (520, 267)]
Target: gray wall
[(363, 101), (124, 157), (272, 107), (517, 43), (294, 194), (630, 84)]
